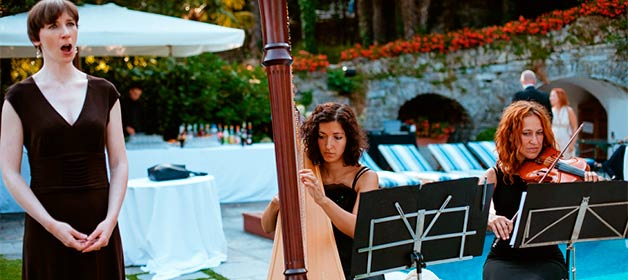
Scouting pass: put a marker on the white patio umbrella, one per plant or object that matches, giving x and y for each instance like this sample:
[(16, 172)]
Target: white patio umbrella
[(111, 30)]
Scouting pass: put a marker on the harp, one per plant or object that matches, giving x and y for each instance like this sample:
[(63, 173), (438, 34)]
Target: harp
[(304, 242)]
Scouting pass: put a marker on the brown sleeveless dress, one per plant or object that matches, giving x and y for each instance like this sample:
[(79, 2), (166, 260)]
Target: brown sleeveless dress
[(69, 177)]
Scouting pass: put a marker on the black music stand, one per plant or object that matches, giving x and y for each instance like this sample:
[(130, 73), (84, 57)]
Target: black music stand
[(412, 226), (571, 212)]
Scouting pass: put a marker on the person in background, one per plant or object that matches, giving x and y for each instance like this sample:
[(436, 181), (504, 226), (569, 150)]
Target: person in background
[(524, 131), (132, 112), (530, 93), (564, 123), (66, 120), (616, 165)]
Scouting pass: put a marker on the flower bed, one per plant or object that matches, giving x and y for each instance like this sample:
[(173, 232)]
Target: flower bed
[(468, 38)]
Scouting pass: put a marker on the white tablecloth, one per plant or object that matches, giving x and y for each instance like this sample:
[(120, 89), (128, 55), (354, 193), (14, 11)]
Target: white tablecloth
[(172, 227), (242, 174)]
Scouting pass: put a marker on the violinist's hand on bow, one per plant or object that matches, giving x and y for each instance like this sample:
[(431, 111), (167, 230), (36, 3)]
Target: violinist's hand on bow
[(501, 226), (590, 176)]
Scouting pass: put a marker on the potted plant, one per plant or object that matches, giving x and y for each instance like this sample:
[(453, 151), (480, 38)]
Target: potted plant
[(430, 132)]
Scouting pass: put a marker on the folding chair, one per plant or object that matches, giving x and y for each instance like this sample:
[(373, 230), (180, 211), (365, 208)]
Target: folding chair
[(456, 158), (388, 179), (485, 151), (406, 157)]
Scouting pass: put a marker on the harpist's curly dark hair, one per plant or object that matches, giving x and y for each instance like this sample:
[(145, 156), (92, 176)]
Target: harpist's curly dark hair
[(343, 114)]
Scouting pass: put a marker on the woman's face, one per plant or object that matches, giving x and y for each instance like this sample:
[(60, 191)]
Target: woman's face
[(553, 98), (532, 136), (331, 141), (58, 39)]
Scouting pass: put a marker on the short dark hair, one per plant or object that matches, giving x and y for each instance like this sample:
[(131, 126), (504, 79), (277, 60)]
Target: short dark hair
[(343, 114), (47, 12), (135, 85)]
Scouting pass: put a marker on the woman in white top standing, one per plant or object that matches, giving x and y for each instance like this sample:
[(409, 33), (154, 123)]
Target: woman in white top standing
[(564, 122)]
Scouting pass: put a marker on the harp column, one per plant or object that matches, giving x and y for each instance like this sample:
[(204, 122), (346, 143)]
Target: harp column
[(277, 60)]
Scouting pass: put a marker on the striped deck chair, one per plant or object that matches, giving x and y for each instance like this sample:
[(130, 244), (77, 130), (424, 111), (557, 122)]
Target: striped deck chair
[(456, 158), (406, 157), (485, 152), (389, 179)]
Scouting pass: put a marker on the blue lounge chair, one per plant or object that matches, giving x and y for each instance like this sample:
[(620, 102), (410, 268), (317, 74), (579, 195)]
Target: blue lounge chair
[(388, 179), (456, 158), (485, 151), (406, 158)]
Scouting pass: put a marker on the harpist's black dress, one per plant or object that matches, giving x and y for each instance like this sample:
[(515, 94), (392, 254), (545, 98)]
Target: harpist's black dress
[(504, 262), (69, 177), (346, 198)]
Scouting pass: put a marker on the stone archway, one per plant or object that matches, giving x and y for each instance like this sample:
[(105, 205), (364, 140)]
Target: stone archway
[(604, 109), (436, 108)]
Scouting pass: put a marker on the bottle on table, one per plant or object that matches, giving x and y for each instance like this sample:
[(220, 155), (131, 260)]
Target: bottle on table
[(182, 135), (225, 135), (236, 135), (242, 135), (249, 134), (220, 133)]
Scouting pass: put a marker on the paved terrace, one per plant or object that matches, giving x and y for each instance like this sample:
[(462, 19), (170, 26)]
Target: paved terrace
[(248, 255)]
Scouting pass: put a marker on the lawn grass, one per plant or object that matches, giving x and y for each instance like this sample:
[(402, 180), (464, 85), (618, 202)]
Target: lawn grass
[(12, 270), (213, 275)]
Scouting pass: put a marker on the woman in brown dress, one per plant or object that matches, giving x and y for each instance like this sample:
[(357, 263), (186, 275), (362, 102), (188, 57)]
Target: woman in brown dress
[(66, 120)]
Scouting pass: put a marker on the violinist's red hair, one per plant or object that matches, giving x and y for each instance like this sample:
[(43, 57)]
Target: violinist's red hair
[(507, 137)]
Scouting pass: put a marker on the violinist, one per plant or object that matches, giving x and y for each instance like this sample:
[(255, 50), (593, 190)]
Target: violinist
[(523, 133)]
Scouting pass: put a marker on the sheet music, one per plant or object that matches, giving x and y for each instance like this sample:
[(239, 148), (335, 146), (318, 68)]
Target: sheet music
[(519, 213)]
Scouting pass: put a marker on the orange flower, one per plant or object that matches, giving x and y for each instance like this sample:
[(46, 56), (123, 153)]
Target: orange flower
[(466, 37), (425, 128)]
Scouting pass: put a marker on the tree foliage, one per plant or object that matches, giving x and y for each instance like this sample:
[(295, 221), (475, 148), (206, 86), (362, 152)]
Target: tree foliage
[(201, 89), (231, 13), (307, 10)]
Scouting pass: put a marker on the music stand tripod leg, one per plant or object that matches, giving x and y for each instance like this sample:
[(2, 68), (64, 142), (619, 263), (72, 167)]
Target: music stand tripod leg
[(584, 205), (415, 257), (571, 262)]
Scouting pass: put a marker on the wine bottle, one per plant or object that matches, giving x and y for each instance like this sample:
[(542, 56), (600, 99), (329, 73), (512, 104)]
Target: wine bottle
[(249, 134), (226, 135), (220, 134)]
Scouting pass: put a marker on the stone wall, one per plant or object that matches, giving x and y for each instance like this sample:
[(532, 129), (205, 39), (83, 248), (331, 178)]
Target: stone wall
[(484, 79)]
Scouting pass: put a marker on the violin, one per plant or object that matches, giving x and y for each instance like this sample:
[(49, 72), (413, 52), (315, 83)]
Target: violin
[(549, 167), (540, 169)]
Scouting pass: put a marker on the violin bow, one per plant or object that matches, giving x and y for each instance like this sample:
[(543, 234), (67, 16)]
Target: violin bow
[(573, 136)]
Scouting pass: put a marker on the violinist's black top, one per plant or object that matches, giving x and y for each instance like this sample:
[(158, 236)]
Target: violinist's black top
[(504, 262)]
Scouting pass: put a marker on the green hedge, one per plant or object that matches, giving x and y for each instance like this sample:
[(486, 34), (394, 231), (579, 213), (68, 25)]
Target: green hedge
[(201, 89)]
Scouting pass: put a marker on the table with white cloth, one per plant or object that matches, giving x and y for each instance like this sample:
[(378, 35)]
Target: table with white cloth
[(242, 173), (172, 227), (7, 203)]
